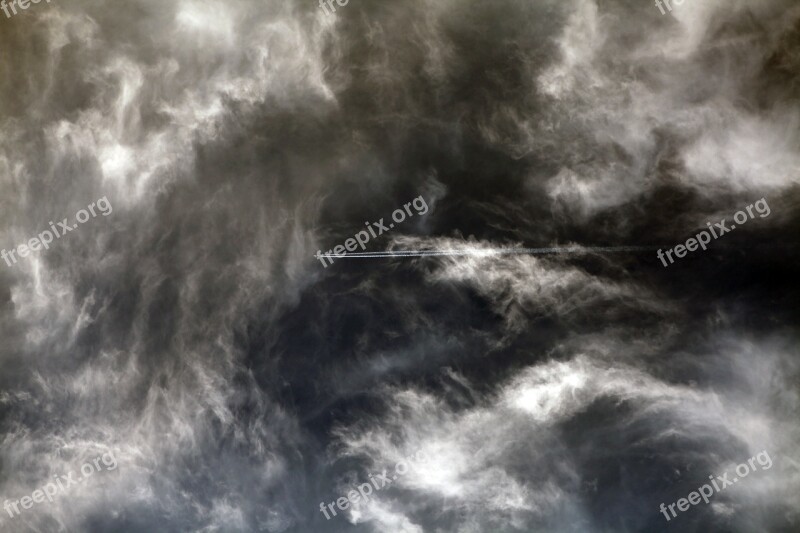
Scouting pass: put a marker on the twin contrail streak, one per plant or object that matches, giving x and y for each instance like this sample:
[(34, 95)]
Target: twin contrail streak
[(495, 251)]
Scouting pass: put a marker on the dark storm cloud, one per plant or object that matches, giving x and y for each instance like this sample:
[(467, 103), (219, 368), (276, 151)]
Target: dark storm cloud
[(239, 384)]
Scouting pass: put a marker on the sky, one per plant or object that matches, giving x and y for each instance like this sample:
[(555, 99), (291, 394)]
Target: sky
[(207, 294)]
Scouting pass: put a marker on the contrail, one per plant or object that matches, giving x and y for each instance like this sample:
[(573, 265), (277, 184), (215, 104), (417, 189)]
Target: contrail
[(492, 251)]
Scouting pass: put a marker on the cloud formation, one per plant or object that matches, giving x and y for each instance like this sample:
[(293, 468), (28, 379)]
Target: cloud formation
[(237, 383)]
